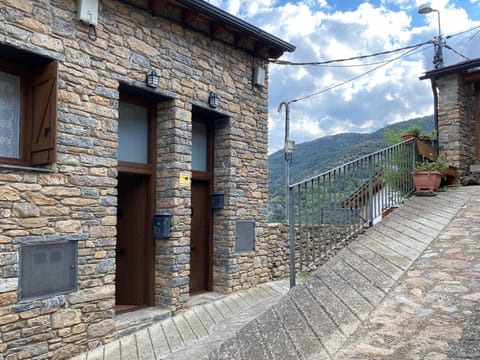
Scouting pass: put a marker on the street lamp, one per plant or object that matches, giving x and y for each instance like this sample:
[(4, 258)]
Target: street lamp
[(438, 57)]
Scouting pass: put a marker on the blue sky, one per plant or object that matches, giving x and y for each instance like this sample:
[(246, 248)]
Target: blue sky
[(325, 30)]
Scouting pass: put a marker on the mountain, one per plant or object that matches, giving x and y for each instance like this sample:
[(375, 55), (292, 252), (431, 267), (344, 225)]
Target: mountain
[(325, 153)]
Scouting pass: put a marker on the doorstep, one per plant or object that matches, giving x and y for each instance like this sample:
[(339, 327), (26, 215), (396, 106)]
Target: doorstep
[(129, 322)]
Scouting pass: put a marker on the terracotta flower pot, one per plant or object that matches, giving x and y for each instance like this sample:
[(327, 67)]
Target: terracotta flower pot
[(427, 180), (408, 136)]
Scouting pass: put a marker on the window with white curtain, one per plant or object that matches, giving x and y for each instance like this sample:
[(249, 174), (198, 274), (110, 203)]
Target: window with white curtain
[(10, 107)]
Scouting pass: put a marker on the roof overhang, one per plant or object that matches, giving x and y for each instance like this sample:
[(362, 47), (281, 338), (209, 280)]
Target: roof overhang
[(465, 68), (217, 24)]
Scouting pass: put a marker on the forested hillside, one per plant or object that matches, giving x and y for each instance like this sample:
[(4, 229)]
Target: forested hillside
[(317, 156)]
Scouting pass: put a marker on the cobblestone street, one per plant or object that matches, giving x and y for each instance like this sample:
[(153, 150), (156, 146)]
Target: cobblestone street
[(408, 288), (434, 312)]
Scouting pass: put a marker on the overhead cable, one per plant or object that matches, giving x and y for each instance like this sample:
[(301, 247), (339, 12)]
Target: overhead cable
[(320, 63), (354, 78), (464, 32), (456, 52), (286, 62)]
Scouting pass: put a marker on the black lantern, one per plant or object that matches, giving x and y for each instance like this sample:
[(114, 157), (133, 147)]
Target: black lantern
[(152, 79), (213, 100)]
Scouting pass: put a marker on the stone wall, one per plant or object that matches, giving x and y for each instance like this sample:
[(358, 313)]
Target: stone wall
[(75, 198), (311, 242), (279, 250), (456, 119)]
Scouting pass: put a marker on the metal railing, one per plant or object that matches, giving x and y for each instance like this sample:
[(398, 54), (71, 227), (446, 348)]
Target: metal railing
[(330, 208)]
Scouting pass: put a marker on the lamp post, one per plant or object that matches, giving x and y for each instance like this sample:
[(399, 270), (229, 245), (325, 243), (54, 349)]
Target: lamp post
[(289, 216), (289, 149), (438, 57)]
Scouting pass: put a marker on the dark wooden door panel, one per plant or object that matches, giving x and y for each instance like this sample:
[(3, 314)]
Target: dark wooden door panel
[(131, 242), (200, 237), (477, 122)]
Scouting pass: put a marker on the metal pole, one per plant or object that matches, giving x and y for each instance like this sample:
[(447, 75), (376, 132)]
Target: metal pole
[(370, 190), (288, 156), (439, 45), (291, 228)]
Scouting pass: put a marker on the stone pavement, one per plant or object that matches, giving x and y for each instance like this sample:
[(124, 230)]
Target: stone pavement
[(434, 312), (388, 295), (408, 288), (196, 331)]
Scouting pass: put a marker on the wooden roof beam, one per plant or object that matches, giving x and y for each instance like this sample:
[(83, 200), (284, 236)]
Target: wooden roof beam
[(189, 17), (155, 5), (472, 76), (241, 40), (262, 49), (217, 30)]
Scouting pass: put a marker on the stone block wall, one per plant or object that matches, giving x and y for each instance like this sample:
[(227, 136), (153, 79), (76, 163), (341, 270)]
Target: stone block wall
[(172, 255), (75, 198), (310, 242), (456, 119)]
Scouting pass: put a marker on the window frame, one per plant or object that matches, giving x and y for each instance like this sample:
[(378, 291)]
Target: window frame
[(208, 173), (134, 167), (25, 114), (38, 110)]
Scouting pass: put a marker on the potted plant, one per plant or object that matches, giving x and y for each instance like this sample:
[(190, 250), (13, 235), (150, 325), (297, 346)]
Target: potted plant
[(411, 133), (427, 175)]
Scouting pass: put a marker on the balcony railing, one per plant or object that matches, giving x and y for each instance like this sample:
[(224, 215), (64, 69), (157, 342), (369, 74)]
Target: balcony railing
[(330, 208)]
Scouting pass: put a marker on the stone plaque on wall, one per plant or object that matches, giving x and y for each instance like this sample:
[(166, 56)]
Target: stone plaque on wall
[(245, 236)]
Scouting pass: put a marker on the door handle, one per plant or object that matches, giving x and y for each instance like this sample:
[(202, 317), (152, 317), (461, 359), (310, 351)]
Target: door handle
[(192, 248), (120, 251)]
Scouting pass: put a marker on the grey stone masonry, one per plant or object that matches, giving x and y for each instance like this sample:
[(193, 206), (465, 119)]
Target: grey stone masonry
[(456, 120), (373, 301), (74, 198), (343, 309)]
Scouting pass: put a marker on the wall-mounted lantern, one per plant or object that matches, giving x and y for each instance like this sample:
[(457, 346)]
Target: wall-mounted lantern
[(213, 100), (217, 200), (161, 224), (259, 76), (152, 79)]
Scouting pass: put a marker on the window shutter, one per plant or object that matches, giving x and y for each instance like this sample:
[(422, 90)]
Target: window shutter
[(44, 117)]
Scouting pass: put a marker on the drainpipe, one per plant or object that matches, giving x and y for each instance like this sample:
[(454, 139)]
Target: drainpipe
[(435, 111)]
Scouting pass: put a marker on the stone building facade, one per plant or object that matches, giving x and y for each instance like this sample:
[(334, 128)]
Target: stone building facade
[(457, 112), (106, 183)]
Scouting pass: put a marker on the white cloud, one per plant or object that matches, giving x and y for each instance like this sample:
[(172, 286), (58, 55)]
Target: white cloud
[(322, 31)]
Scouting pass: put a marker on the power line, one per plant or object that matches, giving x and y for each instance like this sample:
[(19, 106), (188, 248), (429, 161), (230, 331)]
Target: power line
[(411, 49), (464, 42), (408, 53), (363, 64), (320, 63), (464, 32), (471, 38), (286, 62), (456, 52)]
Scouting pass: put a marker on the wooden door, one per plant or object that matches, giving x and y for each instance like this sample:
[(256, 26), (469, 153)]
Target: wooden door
[(131, 240), (476, 109), (200, 238)]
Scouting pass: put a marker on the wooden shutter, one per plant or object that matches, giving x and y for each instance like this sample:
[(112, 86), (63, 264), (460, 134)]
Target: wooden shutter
[(44, 114)]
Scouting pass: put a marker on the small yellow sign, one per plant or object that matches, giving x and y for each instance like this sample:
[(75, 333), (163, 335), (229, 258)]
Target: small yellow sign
[(185, 178)]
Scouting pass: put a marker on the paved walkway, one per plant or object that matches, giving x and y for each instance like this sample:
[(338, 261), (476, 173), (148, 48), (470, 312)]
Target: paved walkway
[(197, 331), (409, 288)]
